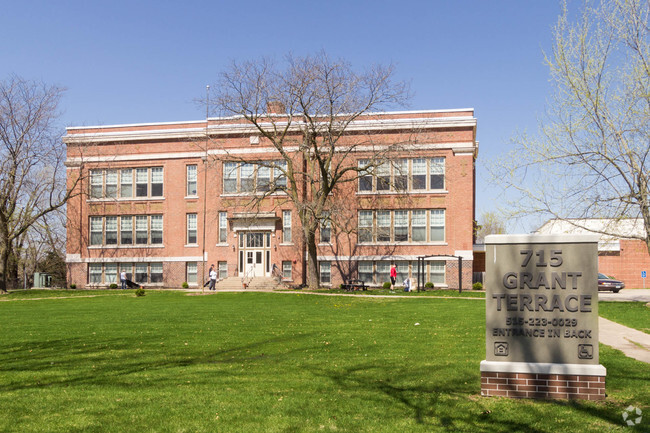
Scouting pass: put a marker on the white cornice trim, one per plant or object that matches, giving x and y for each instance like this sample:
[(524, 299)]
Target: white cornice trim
[(243, 129), (461, 148), (76, 258)]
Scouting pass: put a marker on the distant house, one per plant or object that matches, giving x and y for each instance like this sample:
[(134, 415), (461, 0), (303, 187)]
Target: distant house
[(623, 256)]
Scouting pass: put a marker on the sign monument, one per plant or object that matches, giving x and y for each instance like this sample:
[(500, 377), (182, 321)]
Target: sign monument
[(542, 317)]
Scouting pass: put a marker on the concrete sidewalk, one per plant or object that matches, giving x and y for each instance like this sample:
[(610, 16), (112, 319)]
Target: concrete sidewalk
[(633, 343)]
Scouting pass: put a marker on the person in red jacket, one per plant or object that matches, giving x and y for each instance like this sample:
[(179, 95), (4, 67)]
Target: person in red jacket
[(393, 276)]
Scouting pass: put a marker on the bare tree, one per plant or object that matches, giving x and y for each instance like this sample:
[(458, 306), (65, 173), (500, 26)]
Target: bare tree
[(590, 158), (317, 99), (32, 157), (491, 223)]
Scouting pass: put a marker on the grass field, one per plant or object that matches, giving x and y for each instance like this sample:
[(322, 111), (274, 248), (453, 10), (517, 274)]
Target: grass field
[(271, 362), (632, 314)]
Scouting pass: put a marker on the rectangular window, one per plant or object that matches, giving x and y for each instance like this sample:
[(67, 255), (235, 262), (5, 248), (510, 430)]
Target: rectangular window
[(437, 272), (156, 274), (141, 230), (111, 230), (383, 272), (326, 229), (222, 270), (191, 272), (229, 177), (383, 177), (141, 182), (126, 230), (365, 226), (246, 175), (111, 184), (223, 227), (263, 178), (437, 225), (401, 226), (286, 270), (191, 228), (286, 226), (157, 182), (401, 174), (365, 272), (191, 180), (96, 184), (95, 273), (128, 269), (110, 273), (419, 225), (383, 226), (325, 272), (437, 173), (126, 183), (365, 179), (402, 271), (419, 181), (279, 175), (156, 229), (141, 273), (96, 230)]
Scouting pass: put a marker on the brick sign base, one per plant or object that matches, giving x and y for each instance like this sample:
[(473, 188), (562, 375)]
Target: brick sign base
[(542, 381)]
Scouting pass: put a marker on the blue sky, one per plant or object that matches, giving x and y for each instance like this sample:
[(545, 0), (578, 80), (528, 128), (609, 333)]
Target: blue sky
[(144, 61)]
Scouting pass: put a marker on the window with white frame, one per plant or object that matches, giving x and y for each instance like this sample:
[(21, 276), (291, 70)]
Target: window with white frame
[(326, 229), (223, 227), (114, 231), (156, 272), (191, 272), (95, 273), (191, 229), (222, 270), (401, 225), (286, 270), (383, 272), (110, 273), (191, 180), (437, 225), (286, 226), (437, 272), (126, 230), (111, 230), (111, 184), (96, 183), (96, 230), (141, 273), (141, 182), (419, 174), (366, 273), (402, 271), (254, 177), (126, 183), (325, 272)]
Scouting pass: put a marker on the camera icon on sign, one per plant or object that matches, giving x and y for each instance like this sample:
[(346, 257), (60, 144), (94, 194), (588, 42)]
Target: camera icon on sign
[(500, 348)]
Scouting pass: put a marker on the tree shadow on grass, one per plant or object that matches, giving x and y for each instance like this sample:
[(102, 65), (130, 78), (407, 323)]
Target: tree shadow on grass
[(444, 398), (71, 362)]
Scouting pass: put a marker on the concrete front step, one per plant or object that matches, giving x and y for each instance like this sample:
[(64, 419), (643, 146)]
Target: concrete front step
[(258, 283)]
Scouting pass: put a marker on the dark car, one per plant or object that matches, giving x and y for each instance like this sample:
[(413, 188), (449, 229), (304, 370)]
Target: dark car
[(609, 283)]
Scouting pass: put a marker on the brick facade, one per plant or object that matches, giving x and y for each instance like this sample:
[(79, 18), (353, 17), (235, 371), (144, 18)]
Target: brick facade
[(542, 386), (154, 200)]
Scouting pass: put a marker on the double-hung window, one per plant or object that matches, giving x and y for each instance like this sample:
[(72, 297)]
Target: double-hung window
[(365, 178), (141, 230), (96, 184), (191, 228), (141, 182), (126, 230), (126, 183), (401, 174), (223, 227), (326, 272), (401, 226), (111, 230), (280, 178), (437, 173), (326, 229), (286, 226), (191, 180), (96, 230), (383, 226), (230, 177), (156, 229), (419, 175), (419, 225), (383, 177), (247, 172), (437, 225), (111, 184)]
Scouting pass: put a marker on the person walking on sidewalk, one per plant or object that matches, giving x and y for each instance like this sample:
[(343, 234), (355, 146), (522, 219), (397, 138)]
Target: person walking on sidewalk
[(213, 278)]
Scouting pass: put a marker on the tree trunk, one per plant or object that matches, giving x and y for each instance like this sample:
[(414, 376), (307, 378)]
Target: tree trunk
[(313, 279)]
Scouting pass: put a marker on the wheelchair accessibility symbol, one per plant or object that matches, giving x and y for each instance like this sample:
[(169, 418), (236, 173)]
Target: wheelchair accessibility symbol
[(585, 351)]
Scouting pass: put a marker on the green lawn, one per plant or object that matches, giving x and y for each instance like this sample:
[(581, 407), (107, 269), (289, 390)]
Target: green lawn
[(632, 314), (270, 362)]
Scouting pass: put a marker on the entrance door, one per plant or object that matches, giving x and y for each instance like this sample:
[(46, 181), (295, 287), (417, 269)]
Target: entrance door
[(254, 263), (254, 254)]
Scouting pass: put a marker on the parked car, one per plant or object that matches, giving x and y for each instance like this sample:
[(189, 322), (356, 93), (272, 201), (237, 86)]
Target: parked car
[(609, 283)]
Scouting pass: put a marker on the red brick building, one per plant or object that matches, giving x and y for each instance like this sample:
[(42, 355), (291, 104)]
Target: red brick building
[(164, 201), (622, 256)]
